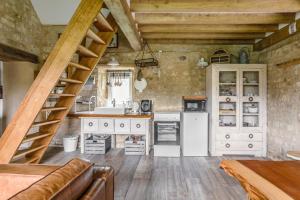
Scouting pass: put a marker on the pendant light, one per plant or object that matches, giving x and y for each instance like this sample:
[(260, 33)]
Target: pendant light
[(113, 62)]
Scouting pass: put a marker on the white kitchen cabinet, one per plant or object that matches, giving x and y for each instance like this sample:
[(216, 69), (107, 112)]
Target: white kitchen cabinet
[(116, 126), (90, 125), (106, 126), (237, 109), (122, 126), (138, 126)]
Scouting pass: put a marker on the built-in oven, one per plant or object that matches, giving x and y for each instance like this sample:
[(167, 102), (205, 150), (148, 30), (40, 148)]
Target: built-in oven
[(166, 133)]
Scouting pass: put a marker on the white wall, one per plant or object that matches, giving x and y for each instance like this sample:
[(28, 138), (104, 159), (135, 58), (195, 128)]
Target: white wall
[(17, 78)]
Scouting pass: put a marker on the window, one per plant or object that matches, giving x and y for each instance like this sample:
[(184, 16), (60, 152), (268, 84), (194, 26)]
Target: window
[(119, 87)]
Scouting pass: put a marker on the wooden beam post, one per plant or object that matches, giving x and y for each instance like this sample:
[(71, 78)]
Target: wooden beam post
[(214, 18), (256, 6), (8, 53), (276, 37), (121, 12)]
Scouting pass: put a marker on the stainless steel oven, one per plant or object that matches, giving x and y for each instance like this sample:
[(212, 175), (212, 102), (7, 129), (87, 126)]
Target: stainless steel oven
[(166, 133)]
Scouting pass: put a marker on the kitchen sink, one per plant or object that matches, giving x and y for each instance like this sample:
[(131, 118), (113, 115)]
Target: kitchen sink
[(109, 110)]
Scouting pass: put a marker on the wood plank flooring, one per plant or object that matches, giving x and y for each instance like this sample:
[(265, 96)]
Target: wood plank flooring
[(158, 178)]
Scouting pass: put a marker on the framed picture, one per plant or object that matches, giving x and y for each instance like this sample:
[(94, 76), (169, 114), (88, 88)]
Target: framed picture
[(115, 42)]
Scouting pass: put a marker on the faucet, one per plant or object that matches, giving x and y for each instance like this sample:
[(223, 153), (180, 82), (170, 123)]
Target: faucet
[(75, 103), (113, 102), (90, 102)]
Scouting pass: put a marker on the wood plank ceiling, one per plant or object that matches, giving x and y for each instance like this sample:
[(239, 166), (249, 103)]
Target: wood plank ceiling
[(212, 21)]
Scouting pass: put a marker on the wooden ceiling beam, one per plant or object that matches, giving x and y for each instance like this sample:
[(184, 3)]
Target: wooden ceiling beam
[(188, 28), (276, 37), (203, 42), (215, 18), (203, 35), (256, 6), (121, 13), (8, 53)]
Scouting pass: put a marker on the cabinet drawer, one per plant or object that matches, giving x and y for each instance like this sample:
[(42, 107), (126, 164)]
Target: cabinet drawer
[(106, 126), (90, 125), (249, 137), (138, 126), (122, 126), (239, 146)]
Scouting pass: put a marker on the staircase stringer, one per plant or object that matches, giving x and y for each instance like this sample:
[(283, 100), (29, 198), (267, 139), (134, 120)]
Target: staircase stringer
[(99, 49), (54, 66)]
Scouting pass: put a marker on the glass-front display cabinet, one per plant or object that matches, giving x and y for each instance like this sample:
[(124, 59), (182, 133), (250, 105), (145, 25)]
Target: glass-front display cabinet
[(237, 108)]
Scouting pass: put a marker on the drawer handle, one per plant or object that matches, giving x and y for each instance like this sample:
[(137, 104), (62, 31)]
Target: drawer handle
[(122, 125), (91, 123), (227, 136), (228, 99), (250, 136), (105, 124), (138, 126), (227, 145), (250, 146), (250, 98)]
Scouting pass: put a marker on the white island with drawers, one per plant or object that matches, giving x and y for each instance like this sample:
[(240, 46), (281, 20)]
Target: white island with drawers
[(104, 124)]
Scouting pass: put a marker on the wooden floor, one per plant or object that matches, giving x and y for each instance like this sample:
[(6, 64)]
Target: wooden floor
[(157, 178)]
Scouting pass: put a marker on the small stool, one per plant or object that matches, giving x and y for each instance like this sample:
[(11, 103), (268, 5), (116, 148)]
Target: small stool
[(295, 155)]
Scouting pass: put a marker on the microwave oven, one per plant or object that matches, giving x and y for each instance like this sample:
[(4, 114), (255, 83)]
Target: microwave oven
[(194, 105)]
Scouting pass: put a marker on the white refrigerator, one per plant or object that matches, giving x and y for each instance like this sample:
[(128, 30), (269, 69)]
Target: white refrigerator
[(194, 134)]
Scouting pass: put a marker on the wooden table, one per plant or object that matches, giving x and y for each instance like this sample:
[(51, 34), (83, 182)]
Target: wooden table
[(262, 180)]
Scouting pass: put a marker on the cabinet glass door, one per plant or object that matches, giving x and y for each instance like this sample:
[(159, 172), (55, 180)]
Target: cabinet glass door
[(251, 90), (228, 83), (228, 98)]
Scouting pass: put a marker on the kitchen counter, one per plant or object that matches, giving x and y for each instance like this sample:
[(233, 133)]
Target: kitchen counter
[(93, 114)]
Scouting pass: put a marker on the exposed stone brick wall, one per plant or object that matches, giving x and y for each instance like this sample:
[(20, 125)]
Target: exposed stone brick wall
[(283, 98), (20, 26)]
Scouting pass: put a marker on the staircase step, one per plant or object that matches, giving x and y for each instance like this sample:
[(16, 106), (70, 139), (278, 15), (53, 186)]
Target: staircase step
[(78, 66), (102, 25), (35, 136), (53, 108), (21, 153), (68, 80), (94, 37), (25, 160), (44, 123), (54, 95), (86, 52)]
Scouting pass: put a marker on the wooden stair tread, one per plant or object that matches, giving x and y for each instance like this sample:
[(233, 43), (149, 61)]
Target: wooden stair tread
[(78, 66), (94, 37), (24, 152), (53, 108), (86, 52), (46, 122), (54, 95), (35, 136), (69, 80), (102, 24), (25, 160)]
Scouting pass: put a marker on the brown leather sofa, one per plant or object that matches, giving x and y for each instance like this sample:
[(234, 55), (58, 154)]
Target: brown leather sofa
[(75, 180)]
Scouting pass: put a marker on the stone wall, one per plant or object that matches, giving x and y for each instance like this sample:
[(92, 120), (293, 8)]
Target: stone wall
[(20, 26), (178, 74), (283, 97)]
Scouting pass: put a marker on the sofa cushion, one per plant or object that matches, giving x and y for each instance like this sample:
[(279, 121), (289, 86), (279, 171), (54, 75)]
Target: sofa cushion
[(67, 182)]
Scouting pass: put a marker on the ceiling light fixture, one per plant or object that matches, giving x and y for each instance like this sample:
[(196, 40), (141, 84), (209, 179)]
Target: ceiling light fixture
[(113, 62)]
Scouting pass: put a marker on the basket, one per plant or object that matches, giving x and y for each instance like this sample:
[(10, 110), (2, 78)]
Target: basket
[(97, 144), (135, 145)]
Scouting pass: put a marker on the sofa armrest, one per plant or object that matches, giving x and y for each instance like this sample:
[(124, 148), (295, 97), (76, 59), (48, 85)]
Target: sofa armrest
[(106, 173)]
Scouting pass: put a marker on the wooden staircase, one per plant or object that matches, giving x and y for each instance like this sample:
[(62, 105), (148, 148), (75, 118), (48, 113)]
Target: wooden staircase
[(26, 129)]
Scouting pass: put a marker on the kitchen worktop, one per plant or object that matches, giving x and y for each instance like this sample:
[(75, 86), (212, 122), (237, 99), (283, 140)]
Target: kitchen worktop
[(93, 114)]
